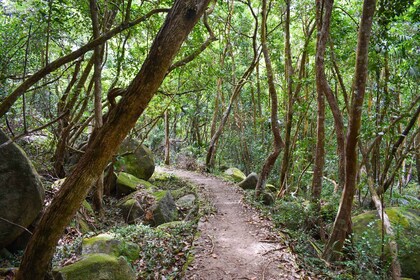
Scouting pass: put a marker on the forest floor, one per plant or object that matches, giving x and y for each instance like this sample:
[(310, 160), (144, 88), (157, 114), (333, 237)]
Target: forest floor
[(235, 242)]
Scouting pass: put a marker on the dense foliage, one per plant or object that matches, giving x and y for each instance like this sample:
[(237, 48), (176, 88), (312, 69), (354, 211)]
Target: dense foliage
[(54, 118)]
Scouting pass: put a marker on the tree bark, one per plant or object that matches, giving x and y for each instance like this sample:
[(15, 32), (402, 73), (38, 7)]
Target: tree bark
[(97, 94), (178, 24), (277, 141), (395, 264), (342, 223), (167, 142), (324, 11), (288, 71)]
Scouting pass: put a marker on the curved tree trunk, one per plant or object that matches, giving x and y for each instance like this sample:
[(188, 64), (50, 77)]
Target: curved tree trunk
[(342, 223), (178, 24), (277, 142)]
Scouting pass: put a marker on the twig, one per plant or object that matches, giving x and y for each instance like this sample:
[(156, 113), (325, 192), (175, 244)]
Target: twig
[(273, 250), (10, 222), (212, 244)]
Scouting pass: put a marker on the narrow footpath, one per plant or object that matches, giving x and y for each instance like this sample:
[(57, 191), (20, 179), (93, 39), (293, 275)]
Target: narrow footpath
[(235, 243)]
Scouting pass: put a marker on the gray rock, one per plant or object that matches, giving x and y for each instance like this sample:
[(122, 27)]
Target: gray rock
[(96, 266), (21, 192), (138, 160), (131, 210), (187, 201), (250, 182), (164, 210)]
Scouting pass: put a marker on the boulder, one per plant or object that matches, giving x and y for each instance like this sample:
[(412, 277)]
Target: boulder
[(406, 226), (96, 266), (164, 209), (136, 159), (132, 210), (187, 201), (268, 198), (250, 182), (234, 174), (108, 244), (21, 192), (151, 207), (127, 183)]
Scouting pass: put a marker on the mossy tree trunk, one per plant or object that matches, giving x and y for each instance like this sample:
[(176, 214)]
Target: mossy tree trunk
[(178, 24)]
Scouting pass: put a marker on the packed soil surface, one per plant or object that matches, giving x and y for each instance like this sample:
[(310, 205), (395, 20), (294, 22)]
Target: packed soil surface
[(236, 242)]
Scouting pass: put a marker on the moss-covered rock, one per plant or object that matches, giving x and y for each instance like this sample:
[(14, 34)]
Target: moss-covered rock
[(21, 192), (171, 225), (164, 209), (96, 266), (127, 183), (108, 244), (234, 174), (406, 226), (250, 182), (131, 210), (161, 176), (136, 159)]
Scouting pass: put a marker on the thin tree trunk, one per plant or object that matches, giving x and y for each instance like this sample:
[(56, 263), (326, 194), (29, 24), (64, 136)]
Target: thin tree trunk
[(167, 142), (289, 108), (395, 265), (324, 11), (342, 223), (385, 183), (277, 142), (97, 93), (178, 24), (236, 91)]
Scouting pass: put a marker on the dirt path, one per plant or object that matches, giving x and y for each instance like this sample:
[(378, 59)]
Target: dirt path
[(235, 243)]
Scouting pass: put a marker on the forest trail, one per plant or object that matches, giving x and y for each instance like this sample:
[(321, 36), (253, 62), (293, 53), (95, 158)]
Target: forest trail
[(234, 242)]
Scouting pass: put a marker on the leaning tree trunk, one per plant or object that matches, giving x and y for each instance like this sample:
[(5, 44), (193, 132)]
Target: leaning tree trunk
[(393, 246), (178, 24), (342, 223)]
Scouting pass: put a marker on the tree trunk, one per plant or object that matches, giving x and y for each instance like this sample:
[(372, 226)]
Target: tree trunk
[(342, 223), (288, 70), (395, 265), (167, 142), (277, 142), (324, 10), (235, 93), (178, 24), (97, 93)]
